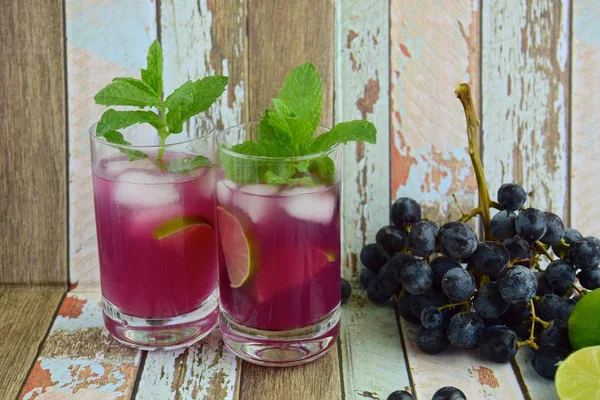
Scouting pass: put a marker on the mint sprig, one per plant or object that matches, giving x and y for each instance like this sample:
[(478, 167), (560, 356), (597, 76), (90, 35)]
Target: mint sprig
[(288, 130), (167, 116)]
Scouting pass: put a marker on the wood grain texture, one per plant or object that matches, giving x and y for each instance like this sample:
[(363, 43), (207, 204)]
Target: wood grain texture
[(536, 387), (105, 39), (25, 316), (33, 184), (585, 122), (525, 105), (469, 371), (282, 35), (434, 46), (204, 371), (80, 359), (317, 380)]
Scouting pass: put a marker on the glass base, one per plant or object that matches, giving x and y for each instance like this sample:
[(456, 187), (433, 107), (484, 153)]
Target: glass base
[(164, 333), (281, 348)]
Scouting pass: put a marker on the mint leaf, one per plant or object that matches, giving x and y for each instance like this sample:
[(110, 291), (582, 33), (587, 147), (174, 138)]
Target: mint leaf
[(281, 108), (302, 94), (345, 132), (324, 169), (112, 120), (152, 75), (127, 92), (273, 179), (117, 138), (188, 164), (192, 98)]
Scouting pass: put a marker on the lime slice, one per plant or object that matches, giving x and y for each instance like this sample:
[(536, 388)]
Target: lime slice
[(176, 224), (578, 377), (584, 322), (236, 248)]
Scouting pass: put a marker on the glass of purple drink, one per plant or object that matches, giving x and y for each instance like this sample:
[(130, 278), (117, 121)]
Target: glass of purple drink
[(157, 241), (279, 252)]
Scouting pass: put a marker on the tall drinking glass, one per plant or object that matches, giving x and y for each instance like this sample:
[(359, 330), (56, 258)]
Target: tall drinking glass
[(279, 253), (157, 238)]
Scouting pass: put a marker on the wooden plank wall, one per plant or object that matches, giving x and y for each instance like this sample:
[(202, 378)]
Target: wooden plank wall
[(533, 67)]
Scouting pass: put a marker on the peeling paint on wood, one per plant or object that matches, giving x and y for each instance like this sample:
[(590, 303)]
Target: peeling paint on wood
[(434, 47), (104, 40), (205, 371), (585, 123), (469, 371), (80, 359), (525, 104)]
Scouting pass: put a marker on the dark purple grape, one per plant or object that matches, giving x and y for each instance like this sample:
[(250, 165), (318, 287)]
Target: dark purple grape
[(531, 224), (517, 284), (366, 276), (458, 284), (523, 330), (516, 313), (346, 290), (498, 343), (373, 256), (375, 295), (416, 277), (400, 395), (511, 196), (405, 211), (518, 249), (555, 229), (432, 341), (405, 309), (465, 329), (570, 237), (441, 265), (546, 359), (431, 317), (387, 281), (489, 303), (551, 307), (449, 393), (399, 260), (560, 274), (421, 239), (493, 322), (457, 240), (419, 302), (556, 334), (543, 285), (392, 239), (590, 279), (585, 253), (491, 258), (502, 225)]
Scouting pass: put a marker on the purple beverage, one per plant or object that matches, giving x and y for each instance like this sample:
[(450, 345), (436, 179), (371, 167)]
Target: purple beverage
[(294, 237)]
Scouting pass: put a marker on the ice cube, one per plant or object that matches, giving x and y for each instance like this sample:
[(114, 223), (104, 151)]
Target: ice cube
[(206, 182), (144, 221), (296, 190), (114, 168), (316, 207), (143, 189), (224, 189), (253, 199)]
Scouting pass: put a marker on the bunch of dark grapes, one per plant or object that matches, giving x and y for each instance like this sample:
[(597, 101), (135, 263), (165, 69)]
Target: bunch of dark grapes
[(492, 295)]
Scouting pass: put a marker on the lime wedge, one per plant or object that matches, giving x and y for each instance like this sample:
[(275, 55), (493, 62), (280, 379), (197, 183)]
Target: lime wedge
[(236, 248), (176, 224), (578, 377)]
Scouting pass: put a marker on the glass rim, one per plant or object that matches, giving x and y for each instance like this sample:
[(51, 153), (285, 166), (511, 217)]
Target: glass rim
[(226, 150), (212, 128)]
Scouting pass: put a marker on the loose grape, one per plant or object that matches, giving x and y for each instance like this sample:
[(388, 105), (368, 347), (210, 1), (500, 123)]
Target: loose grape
[(518, 249), (416, 277), (531, 224), (449, 393), (458, 284), (511, 196), (366, 276), (432, 341), (430, 298), (392, 239), (560, 274), (373, 256), (546, 359), (441, 265), (517, 284), (400, 395), (405, 211), (346, 290), (491, 258), (489, 303), (457, 240), (465, 329), (585, 253), (502, 225), (375, 295), (551, 307), (555, 229), (556, 334), (431, 317), (498, 343), (570, 237), (590, 279), (543, 285), (421, 239), (405, 309), (387, 281)]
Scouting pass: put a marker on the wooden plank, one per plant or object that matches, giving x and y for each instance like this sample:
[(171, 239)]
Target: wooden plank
[(585, 122), (535, 387), (205, 371), (104, 40), (368, 335), (33, 152), (525, 81), (317, 380), (434, 46), (26, 316), (80, 358), (283, 36), (469, 371), (526, 106)]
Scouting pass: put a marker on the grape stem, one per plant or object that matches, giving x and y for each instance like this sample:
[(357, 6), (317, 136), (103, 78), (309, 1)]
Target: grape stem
[(534, 318), (542, 250), (452, 305), (463, 92)]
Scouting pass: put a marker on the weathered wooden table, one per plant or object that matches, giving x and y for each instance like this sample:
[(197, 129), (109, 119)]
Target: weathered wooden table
[(54, 346)]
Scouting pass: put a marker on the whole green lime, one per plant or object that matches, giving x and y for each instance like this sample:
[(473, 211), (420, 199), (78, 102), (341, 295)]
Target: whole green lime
[(584, 322)]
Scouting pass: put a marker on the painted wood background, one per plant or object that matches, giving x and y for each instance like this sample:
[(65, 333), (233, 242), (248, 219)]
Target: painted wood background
[(533, 65)]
